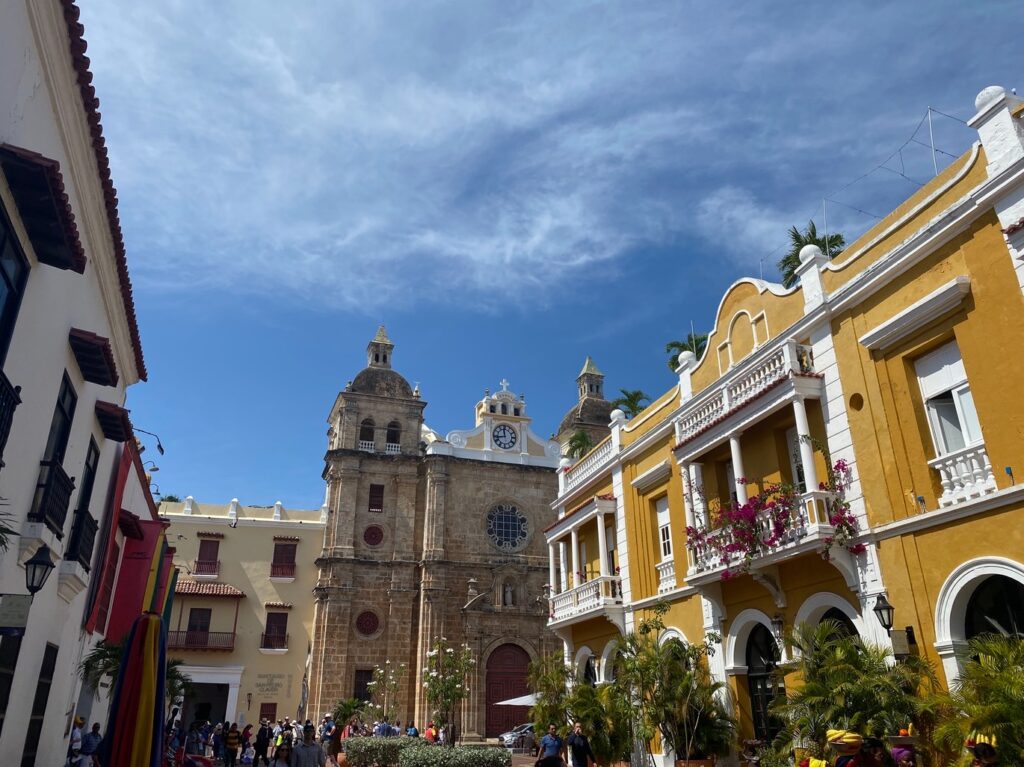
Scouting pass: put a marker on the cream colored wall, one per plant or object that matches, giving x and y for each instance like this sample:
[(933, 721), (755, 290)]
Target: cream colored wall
[(245, 553)]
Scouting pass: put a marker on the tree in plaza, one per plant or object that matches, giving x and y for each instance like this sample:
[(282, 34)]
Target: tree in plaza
[(988, 697), (580, 444), (832, 246), (631, 401), (346, 708), (695, 342), (604, 715), (844, 682), (668, 690), (384, 686), (446, 680), (548, 678), (104, 660)]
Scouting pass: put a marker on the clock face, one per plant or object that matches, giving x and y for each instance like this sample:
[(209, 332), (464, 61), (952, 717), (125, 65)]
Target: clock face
[(504, 436)]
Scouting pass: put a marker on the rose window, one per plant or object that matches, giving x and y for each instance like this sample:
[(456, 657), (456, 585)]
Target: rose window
[(507, 527), (367, 623), (373, 535)]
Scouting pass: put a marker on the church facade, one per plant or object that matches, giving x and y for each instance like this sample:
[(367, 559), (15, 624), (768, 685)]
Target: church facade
[(430, 536)]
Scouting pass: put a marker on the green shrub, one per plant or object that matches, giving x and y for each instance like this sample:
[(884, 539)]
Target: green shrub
[(461, 756), (377, 752)]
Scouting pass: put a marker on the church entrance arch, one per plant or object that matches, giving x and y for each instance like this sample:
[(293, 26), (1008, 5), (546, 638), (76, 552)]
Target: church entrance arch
[(506, 678)]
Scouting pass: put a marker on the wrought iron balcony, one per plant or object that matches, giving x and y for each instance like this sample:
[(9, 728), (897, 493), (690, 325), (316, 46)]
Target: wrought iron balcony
[(10, 398), (282, 569), (200, 640), (82, 540), (273, 641), (53, 496), (806, 529), (209, 568)]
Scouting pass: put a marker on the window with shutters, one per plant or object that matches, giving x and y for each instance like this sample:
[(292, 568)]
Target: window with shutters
[(207, 561), (947, 400), (664, 528), (10, 646), (107, 588), (377, 498), (268, 711), (283, 563), (276, 635), (13, 274), (34, 732)]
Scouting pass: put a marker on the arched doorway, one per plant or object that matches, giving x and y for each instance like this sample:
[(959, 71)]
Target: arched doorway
[(844, 626), (762, 658), (506, 678), (995, 607)]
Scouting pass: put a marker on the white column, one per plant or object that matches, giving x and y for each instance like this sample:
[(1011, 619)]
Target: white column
[(737, 468), (551, 569), (803, 433), (602, 545), (232, 704), (691, 519), (563, 556), (576, 580)]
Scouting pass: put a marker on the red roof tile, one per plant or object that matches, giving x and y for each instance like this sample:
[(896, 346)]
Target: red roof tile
[(195, 588), (91, 103), (278, 605)]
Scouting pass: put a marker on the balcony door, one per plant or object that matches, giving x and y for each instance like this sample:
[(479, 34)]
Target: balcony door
[(796, 462), (762, 658), (199, 626)]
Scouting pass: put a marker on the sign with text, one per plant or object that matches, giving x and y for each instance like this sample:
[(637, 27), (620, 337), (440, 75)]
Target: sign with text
[(14, 613)]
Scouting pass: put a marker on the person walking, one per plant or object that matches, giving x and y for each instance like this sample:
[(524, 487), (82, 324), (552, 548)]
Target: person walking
[(307, 752), (75, 743), (91, 746), (282, 756), (263, 737), (329, 734), (579, 747), (232, 742), (552, 744)]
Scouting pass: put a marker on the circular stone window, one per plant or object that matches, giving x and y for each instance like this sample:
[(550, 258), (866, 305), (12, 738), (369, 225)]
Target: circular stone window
[(373, 535), (367, 623), (507, 527)]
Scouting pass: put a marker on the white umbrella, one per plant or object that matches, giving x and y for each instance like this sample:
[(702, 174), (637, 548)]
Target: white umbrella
[(523, 700)]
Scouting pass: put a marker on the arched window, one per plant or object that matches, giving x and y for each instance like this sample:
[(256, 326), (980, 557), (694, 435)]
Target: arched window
[(394, 433), (995, 607), (366, 430), (504, 409), (845, 625), (762, 658)]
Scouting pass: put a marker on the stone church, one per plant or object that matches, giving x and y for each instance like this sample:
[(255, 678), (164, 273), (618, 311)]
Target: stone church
[(431, 536)]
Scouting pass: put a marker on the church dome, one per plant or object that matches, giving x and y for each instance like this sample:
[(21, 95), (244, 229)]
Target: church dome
[(590, 411), (384, 382)]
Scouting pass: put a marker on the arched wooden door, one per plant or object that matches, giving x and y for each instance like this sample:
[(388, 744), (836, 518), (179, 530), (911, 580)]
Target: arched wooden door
[(506, 678)]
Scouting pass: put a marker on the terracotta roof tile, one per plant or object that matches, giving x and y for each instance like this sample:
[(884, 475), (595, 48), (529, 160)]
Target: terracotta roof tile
[(195, 588), (278, 605), (91, 104)]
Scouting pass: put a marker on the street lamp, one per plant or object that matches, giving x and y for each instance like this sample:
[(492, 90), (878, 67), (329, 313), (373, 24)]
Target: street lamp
[(38, 569), (777, 627), (885, 612)]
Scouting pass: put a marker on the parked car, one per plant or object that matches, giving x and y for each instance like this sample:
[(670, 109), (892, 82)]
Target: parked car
[(515, 737)]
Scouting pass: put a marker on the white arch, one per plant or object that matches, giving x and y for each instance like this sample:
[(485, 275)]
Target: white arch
[(671, 632), (736, 641), (816, 605), (607, 659), (951, 605), (579, 662)]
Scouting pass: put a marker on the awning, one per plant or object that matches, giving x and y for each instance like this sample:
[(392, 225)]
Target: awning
[(44, 207), (114, 421), (95, 357), (529, 699)]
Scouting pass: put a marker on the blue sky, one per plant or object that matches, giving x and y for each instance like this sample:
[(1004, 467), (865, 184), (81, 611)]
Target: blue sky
[(509, 186)]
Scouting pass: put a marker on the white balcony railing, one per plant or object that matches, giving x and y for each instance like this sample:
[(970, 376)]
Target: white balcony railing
[(586, 598), (965, 474), (367, 446), (588, 466), (808, 523), (740, 387), (392, 448), (666, 576)]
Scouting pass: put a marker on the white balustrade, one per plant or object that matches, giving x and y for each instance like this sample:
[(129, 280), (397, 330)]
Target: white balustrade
[(666, 576), (589, 465), (367, 446), (392, 448), (744, 384), (587, 597), (965, 474)]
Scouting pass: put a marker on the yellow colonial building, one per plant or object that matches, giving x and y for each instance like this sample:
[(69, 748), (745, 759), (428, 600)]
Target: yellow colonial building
[(242, 615), (896, 363)]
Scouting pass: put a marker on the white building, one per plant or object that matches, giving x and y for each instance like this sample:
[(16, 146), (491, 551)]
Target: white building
[(69, 346)]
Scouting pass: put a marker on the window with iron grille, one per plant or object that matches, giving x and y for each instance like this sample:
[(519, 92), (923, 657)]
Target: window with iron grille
[(207, 562), (377, 498), (34, 732)]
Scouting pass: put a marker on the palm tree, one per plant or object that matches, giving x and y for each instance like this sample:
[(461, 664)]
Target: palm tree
[(346, 708), (832, 246), (605, 716), (846, 683), (104, 660), (988, 698), (177, 684), (548, 677), (631, 402), (695, 342), (579, 444)]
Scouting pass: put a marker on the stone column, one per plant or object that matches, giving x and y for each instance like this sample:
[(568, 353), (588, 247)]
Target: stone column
[(434, 518), (737, 468), (346, 495)]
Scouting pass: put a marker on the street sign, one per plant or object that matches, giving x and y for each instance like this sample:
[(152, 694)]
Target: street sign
[(14, 613)]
